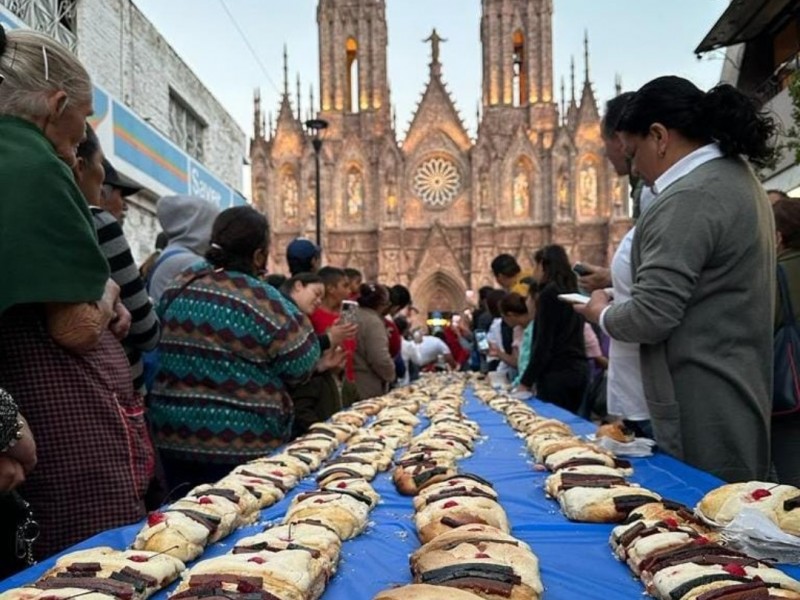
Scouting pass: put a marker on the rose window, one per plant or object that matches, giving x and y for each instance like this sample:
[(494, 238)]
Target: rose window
[(437, 182)]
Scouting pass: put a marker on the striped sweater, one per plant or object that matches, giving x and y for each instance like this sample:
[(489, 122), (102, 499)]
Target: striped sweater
[(145, 329), (231, 345)]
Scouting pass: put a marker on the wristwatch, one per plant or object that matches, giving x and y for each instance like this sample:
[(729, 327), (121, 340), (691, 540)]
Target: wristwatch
[(11, 423)]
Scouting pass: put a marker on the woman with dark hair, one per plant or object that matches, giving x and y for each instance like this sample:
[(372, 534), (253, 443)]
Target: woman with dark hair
[(372, 364), (514, 312), (786, 428), (231, 344), (557, 368), (305, 290), (703, 266), (319, 397)]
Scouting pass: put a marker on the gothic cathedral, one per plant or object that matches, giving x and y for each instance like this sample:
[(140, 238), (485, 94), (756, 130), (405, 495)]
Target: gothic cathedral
[(432, 210)]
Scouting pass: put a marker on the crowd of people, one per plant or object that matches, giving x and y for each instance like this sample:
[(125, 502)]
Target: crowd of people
[(121, 384)]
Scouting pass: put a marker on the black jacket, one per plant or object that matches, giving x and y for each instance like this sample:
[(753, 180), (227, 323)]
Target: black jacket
[(558, 344)]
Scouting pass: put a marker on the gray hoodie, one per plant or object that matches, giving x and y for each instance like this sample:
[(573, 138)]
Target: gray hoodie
[(187, 221)]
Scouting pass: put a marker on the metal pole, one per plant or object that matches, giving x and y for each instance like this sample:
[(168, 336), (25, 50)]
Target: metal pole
[(317, 143)]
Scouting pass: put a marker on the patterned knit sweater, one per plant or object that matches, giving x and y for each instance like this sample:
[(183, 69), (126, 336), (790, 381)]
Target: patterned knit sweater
[(230, 346)]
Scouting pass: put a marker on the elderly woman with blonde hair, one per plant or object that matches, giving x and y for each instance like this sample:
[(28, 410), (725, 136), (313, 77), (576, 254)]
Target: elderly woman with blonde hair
[(60, 315)]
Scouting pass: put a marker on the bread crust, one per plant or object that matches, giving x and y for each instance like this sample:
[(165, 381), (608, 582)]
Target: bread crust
[(423, 591)]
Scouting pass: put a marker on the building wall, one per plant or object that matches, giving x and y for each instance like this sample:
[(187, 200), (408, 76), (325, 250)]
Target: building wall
[(127, 55), (134, 69)]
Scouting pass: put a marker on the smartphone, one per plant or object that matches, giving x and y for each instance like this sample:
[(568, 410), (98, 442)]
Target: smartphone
[(581, 270), (348, 314), (574, 298), (483, 343)]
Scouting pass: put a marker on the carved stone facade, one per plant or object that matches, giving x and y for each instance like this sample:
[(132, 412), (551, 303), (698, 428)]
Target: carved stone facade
[(432, 210)]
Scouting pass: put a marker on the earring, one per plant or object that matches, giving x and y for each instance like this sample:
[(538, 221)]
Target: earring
[(662, 153)]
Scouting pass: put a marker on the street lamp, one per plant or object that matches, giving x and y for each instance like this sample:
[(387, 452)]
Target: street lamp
[(315, 128)]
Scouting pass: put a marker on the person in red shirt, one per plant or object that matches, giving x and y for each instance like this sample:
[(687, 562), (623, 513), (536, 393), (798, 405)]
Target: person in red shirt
[(354, 279), (326, 318)]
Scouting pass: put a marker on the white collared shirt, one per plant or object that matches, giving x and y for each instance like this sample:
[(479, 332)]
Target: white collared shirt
[(686, 165), (677, 171)]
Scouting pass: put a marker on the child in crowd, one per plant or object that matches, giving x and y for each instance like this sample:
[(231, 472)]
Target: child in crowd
[(354, 280), (327, 319)]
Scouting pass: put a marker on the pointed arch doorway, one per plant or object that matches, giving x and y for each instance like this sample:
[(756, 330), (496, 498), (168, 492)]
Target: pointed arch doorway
[(440, 292)]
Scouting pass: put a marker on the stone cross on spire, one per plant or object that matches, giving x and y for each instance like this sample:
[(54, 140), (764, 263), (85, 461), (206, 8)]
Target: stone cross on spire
[(435, 39)]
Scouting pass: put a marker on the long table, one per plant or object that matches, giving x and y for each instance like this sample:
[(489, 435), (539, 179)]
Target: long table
[(574, 558)]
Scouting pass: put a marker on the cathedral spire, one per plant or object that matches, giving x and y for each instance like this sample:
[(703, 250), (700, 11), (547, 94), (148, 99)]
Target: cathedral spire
[(285, 72), (588, 108), (257, 130), (563, 100), (299, 101), (269, 130), (572, 77), (311, 109), (585, 56), (618, 84)]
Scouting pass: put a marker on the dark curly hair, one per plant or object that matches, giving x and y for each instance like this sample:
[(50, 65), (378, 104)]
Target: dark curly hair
[(723, 115)]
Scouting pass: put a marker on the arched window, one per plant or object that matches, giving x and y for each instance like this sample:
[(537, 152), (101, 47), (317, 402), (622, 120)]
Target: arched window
[(519, 85), (351, 97)]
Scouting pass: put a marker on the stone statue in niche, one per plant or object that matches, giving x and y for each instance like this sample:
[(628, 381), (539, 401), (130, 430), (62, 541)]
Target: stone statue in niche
[(355, 193), (391, 196), (563, 196), (311, 202), (391, 265), (484, 204), (521, 194), (289, 196), (588, 187)]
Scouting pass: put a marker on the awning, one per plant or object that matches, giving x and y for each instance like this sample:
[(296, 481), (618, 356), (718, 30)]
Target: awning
[(743, 21)]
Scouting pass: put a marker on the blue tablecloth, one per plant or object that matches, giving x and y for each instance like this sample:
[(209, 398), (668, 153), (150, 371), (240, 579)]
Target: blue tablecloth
[(575, 559)]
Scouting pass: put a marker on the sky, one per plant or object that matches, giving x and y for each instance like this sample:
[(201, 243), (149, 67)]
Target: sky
[(637, 39)]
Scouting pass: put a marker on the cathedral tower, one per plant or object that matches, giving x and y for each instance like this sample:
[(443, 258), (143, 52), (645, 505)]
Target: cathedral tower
[(517, 38), (352, 62)]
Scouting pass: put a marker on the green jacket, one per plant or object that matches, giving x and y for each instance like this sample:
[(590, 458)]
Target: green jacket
[(315, 401)]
